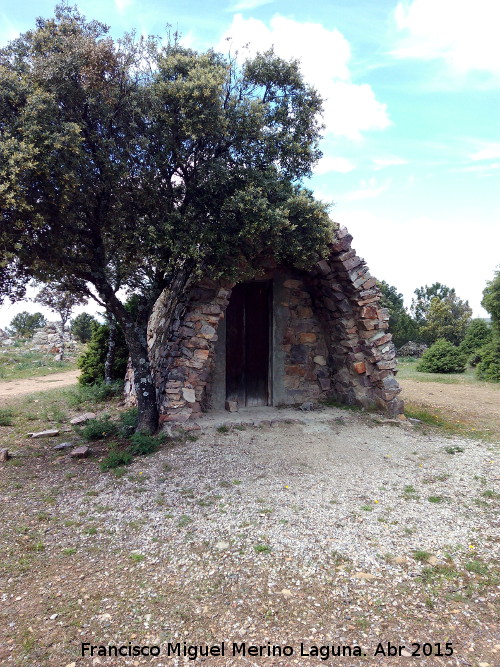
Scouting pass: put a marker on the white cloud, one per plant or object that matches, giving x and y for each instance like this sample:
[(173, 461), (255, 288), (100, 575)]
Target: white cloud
[(368, 189), (339, 164), (349, 108), (383, 162), (489, 152), (248, 4), (462, 33), (122, 5)]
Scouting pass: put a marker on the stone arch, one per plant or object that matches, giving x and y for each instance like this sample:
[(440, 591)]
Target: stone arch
[(330, 339)]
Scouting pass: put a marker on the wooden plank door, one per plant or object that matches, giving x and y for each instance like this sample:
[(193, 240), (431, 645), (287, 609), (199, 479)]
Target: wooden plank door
[(247, 344)]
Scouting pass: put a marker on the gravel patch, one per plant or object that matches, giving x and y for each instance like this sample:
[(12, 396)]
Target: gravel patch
[(333, 529)]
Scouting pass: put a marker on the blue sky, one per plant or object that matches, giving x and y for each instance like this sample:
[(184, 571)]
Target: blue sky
[(412, 107)]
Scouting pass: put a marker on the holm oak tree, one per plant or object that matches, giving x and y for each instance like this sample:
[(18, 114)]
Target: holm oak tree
[(128, 167)]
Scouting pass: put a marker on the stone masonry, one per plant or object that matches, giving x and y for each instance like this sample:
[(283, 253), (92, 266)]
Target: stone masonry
[(333, 340)]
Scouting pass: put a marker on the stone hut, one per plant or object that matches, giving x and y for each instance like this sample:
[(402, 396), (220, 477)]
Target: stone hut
[(287, 336)]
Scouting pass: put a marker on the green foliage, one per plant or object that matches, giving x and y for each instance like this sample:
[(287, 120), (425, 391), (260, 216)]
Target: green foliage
[(142, 444), (491, 300), (25, 324), (95, 393), (91, 362), (115, 459), (401, 325), (59, 299), (447, 317), (81, 327), (489, 366), (134, 165), (98, 429), (129, 420), (442, 357), (424, 296), (6, 417), (478, 333)]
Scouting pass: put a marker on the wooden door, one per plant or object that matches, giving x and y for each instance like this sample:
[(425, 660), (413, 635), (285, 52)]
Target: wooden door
[(247, 344)]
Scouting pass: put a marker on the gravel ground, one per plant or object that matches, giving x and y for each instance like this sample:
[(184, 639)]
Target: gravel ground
[(331, 529)]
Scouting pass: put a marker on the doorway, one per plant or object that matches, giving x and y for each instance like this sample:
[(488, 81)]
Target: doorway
[(248, 325)]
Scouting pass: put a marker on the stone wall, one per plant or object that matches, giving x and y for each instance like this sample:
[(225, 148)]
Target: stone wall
[(330, 339)]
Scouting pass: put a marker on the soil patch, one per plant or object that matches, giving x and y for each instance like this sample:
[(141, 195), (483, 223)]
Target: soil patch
[(11, 389), (476, 404)]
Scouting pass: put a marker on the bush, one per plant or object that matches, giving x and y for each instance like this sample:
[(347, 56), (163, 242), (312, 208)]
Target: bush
[(142, 444), (128, 421), (489, 366), (91, 362), (98, 429), (442, 357), (6, 417), (81, 327), (115, 459), (478, 334)]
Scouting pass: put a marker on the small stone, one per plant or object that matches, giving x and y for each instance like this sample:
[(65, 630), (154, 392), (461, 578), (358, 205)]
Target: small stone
[(50, 433), (188, 395), (286, 593), (80, 452), (320, 360), (4, 455), (222, 545), (81, 419), (232, 406), (53, 617), (64, 445), (360, 367), (306, 407), (364, 576), (432, 560), (71, 664), (405, 653)]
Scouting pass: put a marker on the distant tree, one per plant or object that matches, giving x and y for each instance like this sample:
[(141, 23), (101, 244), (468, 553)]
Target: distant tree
[(59, 299), (478, 333), (81, 327), (401, 325), (488, 367), (447, 317), (420, 306), (25, 324), (491, 299)]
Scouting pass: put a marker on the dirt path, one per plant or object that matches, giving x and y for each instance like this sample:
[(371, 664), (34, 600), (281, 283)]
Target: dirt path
[(477, 404), (12, 388)]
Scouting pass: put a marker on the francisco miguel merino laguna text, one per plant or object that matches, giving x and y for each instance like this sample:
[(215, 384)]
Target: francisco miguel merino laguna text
[(194, 651)]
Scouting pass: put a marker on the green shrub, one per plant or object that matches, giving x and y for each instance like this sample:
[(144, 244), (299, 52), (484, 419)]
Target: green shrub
[(142, 444), (128, 421), (478, 334), (442, 357), (115, 459), (94, 393), (91, 362), (98, 429), (6, 417), (489, 366)]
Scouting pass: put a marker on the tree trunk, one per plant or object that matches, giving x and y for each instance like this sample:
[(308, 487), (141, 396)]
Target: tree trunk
[(110, 355), (145, 389)]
